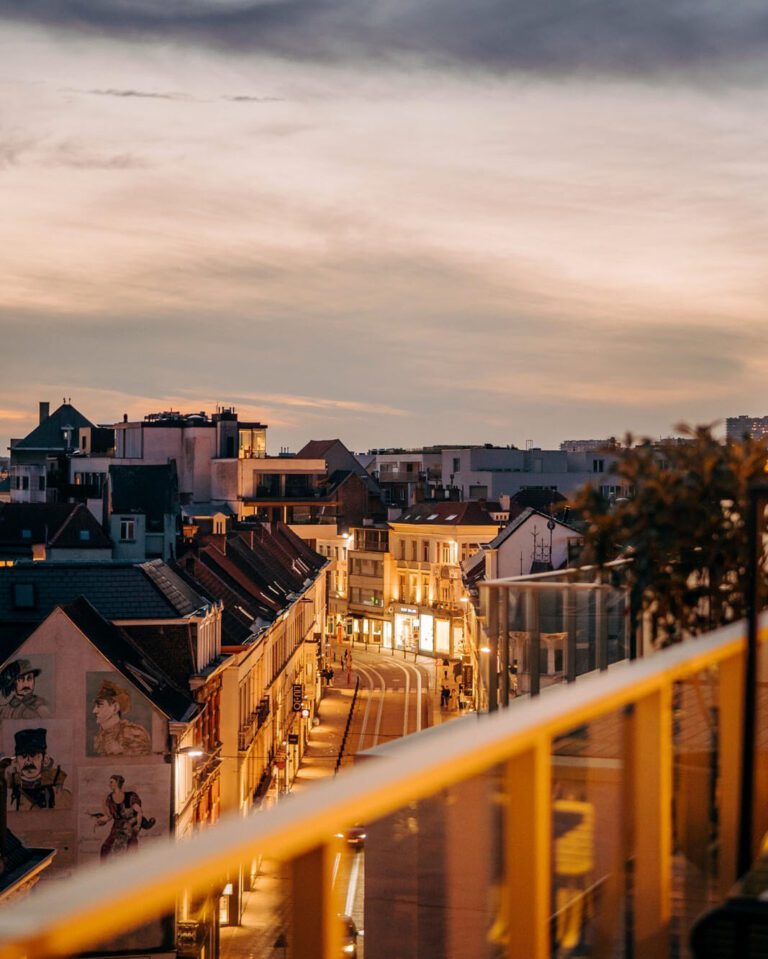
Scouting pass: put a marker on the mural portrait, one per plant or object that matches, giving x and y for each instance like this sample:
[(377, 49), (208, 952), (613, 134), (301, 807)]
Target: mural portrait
[(36, 777), (118, 719), (122, 810), (26, 688)]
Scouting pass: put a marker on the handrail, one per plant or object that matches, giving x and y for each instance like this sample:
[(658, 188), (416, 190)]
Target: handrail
[(103, 900)]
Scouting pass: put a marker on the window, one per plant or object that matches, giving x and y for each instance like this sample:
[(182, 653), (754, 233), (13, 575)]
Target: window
[(85, 535), (25, 482), (23, 596), (41, 482), (127, 531), (598, 466), (402, 549), (445, 553), (425, 551), (414, 546), (26, 534), (456, 464)]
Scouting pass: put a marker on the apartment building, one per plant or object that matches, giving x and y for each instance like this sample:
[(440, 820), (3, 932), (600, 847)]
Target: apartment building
[(427, 544), (490, 472)]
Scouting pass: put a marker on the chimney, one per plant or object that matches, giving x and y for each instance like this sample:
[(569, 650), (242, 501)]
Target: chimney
[(45, 411), (125, 417)]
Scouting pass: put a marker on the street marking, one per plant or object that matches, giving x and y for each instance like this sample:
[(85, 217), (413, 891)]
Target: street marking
[(394, 662), (362, 670), (354, 875)]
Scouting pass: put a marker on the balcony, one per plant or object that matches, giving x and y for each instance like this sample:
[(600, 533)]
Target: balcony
[(597, 818)]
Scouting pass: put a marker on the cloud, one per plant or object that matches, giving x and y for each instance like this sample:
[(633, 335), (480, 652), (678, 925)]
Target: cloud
[(11, 149), (68, 154), (145, 94), (319, 403), (250, 99), (624, 37)]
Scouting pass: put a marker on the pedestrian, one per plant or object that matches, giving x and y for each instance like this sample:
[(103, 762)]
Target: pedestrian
[(443, 691), (329, 675)]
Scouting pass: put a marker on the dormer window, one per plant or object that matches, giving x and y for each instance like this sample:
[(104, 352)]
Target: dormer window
[(127, 531), (85, 535)]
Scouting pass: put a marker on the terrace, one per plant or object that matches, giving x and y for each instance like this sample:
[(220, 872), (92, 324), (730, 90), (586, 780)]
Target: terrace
[(600, 818)]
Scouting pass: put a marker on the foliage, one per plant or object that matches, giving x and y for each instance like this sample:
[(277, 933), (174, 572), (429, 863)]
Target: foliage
[(684, 526)]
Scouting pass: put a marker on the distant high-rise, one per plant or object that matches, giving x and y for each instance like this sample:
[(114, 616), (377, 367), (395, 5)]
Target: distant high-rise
[(737, 427)]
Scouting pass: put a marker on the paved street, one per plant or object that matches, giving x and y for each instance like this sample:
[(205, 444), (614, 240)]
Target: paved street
[(396, 697)]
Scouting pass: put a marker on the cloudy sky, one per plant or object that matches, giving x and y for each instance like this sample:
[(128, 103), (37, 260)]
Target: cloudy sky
[(394, 222)]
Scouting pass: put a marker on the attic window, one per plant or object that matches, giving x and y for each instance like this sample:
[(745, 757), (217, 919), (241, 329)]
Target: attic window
[(85, 535), (26, 534), (23, 596)]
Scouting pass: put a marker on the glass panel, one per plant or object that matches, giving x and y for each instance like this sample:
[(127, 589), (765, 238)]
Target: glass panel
[(431, 880), (696, 835), (589, 829)]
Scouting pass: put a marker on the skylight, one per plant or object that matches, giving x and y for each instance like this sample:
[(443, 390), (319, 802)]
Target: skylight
[(452, 516), (432, 516)]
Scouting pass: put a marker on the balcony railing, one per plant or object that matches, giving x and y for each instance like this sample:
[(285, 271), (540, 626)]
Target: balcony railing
[(596, 819)]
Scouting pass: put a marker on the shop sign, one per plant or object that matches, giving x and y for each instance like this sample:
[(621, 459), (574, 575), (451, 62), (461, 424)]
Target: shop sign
[(298, 697), (293, 739), (411, 610)]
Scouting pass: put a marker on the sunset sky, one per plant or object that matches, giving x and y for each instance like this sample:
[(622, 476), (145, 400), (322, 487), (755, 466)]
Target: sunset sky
[(393, 222)]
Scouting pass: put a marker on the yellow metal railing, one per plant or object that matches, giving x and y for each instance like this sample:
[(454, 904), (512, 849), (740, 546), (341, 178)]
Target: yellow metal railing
[(520, 744)]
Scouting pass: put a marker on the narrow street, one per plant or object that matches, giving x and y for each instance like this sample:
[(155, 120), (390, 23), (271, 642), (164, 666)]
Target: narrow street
[(396, 697)]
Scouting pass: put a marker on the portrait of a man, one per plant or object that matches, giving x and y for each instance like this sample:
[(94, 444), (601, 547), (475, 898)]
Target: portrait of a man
[(116, 735), (35, 780), (17, 685)]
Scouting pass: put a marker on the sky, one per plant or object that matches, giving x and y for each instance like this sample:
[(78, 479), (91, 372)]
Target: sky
[(392, 222)]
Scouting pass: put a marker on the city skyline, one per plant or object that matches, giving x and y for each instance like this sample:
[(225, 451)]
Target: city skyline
[(393, 226)]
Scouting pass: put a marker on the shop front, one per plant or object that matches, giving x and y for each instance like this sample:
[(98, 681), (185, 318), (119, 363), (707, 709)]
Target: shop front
[(421, 630)]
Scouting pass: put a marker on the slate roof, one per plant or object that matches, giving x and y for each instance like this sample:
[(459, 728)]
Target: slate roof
[(180, 594), (49, 435), (61, 525), (19, 861), (136, 657), (151, 490), (469, 513), (256, 571), (205, 510), (519, 520), (121, 591)]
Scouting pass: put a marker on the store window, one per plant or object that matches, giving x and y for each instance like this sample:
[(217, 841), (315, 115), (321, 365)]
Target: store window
[(442, 636), (426, 633)]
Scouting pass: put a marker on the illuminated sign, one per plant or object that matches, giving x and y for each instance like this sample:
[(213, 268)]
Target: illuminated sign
[(298, 696)]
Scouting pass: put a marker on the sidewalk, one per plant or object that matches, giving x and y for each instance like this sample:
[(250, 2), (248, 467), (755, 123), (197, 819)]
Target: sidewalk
[(319, 760), (265, 908)]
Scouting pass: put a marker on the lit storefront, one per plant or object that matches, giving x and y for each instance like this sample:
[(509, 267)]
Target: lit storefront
[(422, 630)]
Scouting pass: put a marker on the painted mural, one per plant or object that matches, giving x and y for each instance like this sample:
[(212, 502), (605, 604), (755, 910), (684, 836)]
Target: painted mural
[(78, 764), (27, 688), (110, 701), (40, 759), (120, 811)]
